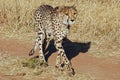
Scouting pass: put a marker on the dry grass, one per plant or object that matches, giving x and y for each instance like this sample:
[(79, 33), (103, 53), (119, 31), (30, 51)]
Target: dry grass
[(98, 22), (12, 66)]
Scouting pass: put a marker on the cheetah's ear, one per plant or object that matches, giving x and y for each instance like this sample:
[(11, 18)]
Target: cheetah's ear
[(74, 5), (58, 8)]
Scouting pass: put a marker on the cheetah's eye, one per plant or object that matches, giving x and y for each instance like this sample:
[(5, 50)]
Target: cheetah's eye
[(74, 13)]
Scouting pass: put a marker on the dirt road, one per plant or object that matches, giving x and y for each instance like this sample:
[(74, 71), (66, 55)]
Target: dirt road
[(82, 61)]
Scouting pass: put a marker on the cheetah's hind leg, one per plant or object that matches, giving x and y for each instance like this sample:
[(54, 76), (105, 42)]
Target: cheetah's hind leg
[(35, 47)]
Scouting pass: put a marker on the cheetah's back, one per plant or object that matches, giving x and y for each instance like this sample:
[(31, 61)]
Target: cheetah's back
[(43, 12), (43, 16)]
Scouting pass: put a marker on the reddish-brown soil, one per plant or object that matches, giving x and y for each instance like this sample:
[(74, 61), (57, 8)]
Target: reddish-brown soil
[(98, 68)]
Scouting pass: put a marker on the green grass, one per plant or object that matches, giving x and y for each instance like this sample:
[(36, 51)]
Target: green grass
[(97, 22)]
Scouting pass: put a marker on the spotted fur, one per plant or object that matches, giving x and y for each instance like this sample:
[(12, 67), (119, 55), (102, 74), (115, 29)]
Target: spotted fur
[(53, 23)]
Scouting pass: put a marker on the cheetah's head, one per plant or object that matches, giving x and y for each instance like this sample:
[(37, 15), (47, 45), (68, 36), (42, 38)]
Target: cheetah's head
[(69, 14)]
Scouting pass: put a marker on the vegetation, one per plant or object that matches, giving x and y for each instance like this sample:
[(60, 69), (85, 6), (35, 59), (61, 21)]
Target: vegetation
[(28, 69), (98, 22)]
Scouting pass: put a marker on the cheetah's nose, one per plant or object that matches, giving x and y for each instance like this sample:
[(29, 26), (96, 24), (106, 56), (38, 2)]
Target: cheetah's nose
[(72, 20)]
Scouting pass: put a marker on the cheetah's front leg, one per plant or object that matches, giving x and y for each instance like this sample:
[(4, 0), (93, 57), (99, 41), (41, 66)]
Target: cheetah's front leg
[(62, 58), (59, 57), (40, 44)]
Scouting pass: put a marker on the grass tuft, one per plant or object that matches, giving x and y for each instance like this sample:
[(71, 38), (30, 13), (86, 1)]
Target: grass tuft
[(33, 63)]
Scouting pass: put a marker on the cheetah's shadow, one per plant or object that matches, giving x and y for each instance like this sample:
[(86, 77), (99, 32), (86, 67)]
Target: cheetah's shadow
[(72, 49)]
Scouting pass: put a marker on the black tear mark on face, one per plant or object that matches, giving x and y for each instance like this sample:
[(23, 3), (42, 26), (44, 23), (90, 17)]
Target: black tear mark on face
[(68, 26)]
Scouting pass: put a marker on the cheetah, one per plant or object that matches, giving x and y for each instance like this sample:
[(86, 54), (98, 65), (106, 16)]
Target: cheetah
[(53, 23)]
